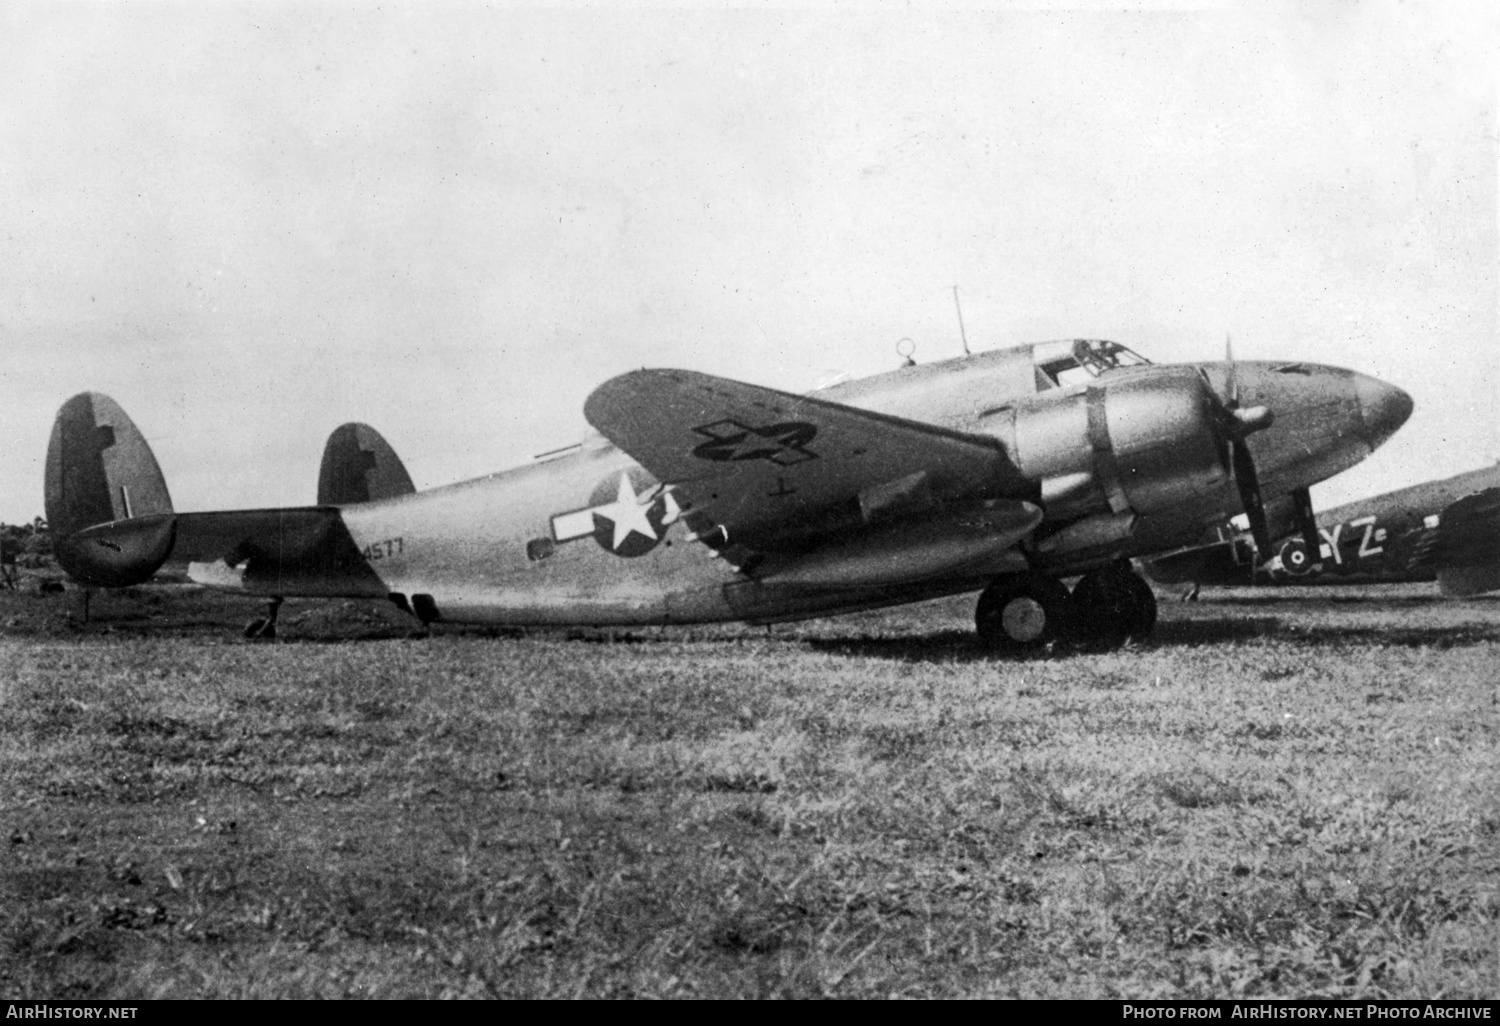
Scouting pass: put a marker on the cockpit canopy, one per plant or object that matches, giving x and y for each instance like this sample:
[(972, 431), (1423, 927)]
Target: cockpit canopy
[(1070, 361)]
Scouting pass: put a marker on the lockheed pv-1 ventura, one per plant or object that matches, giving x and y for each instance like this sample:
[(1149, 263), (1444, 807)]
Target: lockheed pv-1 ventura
[(1006, 473)]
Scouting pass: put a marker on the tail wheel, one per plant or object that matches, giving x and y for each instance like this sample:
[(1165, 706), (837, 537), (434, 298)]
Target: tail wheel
[(1113, 604), (1017, 615)]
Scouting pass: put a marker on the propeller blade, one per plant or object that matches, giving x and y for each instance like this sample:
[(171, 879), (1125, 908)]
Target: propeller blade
[(1232, 380), (1248, 482), (1233, 426), (1307, 524)]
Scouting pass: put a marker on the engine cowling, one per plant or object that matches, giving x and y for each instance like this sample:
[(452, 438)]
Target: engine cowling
[(1139, 444)]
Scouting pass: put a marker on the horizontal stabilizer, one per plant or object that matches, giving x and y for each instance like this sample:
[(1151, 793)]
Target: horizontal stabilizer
[(304, 550), (120, 553)]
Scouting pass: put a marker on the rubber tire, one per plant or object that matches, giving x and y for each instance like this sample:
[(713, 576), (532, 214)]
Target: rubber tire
[(998, 614), (1113, 604)]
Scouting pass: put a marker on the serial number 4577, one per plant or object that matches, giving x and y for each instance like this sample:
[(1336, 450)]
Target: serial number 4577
[(383, 549)]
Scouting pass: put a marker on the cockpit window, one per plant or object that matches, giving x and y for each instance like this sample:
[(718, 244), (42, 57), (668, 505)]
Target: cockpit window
[(1070, 361)]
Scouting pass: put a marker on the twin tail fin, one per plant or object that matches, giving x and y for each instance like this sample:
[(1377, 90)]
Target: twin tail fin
[(111, 515), (360, 466), (100, 470)]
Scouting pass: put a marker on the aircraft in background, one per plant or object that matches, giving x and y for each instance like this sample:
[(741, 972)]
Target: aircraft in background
[(709, 499), (1447, 531)]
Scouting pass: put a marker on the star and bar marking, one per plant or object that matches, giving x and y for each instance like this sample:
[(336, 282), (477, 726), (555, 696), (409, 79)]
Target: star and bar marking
[(782, 444), (626, 526)]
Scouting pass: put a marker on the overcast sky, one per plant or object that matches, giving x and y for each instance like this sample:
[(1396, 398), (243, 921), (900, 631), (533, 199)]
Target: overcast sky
[(249, 224)]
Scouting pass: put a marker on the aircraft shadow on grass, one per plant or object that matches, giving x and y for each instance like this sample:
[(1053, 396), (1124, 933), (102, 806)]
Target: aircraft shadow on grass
[(960, 646), (1305, 597)]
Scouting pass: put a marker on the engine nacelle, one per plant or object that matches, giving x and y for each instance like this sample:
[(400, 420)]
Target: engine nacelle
[(1139, 444)]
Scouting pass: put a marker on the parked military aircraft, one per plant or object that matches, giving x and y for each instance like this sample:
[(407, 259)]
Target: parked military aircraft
[(1448, 531), (1002, 473)]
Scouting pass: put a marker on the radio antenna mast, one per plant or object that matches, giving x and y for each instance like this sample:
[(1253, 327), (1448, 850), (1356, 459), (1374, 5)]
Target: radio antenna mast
[(961, 333)]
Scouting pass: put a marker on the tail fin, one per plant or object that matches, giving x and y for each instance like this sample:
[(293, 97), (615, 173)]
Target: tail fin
[(360, 466), (100, 469)]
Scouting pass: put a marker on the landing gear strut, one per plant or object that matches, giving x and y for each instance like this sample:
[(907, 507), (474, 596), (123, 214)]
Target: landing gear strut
[(264, 628), (1023, 613)]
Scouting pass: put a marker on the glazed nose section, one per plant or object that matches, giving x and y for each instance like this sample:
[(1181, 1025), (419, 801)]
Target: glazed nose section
[(1383, 408)]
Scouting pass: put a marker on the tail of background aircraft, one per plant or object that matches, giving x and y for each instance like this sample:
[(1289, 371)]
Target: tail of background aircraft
[(360, 466), (1465, 548)]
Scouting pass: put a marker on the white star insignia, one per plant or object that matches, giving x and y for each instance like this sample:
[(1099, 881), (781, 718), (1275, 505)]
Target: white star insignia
[(627, 514)]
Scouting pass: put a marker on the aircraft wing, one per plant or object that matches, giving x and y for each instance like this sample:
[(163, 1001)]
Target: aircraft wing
[(1464, 548), (767, 470)]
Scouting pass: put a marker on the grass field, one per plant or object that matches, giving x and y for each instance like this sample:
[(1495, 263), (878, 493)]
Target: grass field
[(1274, 797)]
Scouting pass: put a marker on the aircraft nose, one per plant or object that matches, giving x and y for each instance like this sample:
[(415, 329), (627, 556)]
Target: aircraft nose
[(1382, 407)]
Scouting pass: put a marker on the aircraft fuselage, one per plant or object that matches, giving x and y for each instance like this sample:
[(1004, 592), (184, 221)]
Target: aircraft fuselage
[(591, 538)]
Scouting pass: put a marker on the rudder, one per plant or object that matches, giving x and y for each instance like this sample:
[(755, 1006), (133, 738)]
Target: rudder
[(100, 470), (99, 467)]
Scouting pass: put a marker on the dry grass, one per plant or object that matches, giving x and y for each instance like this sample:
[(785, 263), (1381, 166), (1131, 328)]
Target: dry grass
[(1276, 797)]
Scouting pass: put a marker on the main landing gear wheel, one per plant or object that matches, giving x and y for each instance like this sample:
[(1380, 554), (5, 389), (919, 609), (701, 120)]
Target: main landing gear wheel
[(1022, 614), (1112, 604)]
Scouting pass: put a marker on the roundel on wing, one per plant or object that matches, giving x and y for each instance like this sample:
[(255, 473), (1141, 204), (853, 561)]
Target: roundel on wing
[(628, 519)]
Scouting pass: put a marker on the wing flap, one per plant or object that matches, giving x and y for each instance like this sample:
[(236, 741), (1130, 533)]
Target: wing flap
[(769, 470)]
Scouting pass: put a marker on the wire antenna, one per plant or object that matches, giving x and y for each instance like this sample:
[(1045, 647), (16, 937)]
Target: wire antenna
[(963, 335)]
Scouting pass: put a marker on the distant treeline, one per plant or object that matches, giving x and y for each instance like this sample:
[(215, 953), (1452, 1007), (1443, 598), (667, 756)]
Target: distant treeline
[(28, 545)]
